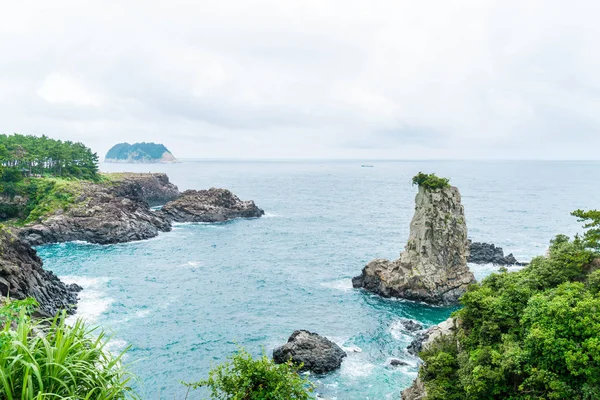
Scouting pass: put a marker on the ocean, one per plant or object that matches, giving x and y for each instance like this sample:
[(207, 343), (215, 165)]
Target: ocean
[(187, 299)]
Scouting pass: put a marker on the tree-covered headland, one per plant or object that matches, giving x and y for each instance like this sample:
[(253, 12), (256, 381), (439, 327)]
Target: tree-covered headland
[(43, 172), (532, 334)]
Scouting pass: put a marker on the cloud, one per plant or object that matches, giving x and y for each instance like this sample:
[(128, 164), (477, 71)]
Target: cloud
[(326, 78), (60, 89)]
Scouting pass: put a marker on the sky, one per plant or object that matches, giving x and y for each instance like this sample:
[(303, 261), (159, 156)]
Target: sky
[(283, 79)]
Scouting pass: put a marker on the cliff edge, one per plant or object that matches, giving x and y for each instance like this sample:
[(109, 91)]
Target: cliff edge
[(22, 276)]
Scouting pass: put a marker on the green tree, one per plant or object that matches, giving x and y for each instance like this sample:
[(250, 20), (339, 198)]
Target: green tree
[(591, 218), (246, 378)]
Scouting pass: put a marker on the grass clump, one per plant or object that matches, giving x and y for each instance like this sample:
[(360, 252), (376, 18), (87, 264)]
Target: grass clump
[(52, 360), (246, 378), (430, 181)]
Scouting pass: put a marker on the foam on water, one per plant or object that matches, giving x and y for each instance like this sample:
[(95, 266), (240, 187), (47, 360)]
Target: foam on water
[(93, 301)]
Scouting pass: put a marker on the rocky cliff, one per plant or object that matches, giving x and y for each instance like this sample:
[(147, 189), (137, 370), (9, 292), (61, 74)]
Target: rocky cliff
[(154, 188), (112, 212), (22, 276), (212, 205), (118, 211), (433, 267)]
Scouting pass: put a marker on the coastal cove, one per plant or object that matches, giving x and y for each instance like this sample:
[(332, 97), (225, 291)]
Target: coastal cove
[(184, 299)]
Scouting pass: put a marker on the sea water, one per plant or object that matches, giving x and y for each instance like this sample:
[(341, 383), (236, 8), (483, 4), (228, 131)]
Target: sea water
[(187, 299)]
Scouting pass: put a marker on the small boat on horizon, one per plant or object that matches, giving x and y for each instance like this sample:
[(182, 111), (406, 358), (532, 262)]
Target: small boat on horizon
[(367, 165)]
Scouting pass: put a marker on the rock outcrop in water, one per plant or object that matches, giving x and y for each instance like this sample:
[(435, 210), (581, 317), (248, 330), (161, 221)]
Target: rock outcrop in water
[(22, 276), (212, 205), (113, 212), (485, 253), (433, 268), (318, 354)]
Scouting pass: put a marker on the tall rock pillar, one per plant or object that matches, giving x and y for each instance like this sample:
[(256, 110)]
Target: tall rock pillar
[(433, 267)]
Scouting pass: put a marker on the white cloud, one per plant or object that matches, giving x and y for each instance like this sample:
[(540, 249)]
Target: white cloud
[(319, 78), (60, 89)]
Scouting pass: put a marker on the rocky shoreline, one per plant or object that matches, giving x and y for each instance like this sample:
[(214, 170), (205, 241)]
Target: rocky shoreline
[(115, 211), (22, 276), (120, 211)]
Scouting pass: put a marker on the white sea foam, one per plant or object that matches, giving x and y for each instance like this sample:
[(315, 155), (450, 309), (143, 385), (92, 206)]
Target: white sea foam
[(142, 313), (192, 264), (351, 349), (398, 331), (92, 299), (356, 368), (271, 215), (342, 284)]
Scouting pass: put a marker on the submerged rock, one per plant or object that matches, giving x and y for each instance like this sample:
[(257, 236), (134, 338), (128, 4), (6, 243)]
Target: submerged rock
[(395, 362), (318, 354), (22, 276), (486, 253), (212, 205), (411, 325), (433, 268)]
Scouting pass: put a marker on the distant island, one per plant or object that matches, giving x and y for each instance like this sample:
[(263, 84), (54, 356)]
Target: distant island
[(139, 153)]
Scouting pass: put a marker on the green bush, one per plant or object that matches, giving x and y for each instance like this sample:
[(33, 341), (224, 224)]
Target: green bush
[(430, 181), (52, 360), (531, 334), (245, 378)]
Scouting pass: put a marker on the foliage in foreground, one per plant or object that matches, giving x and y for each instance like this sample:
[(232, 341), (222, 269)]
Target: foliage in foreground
[(430, 181), (245, 378), (532, 334), (53, 360)]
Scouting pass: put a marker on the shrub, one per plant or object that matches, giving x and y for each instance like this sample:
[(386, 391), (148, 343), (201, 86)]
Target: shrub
[(52, 360), (430, 181), (245, 378)]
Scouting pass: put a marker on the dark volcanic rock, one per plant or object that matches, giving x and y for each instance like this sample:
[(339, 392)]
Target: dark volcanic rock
[(103, 214), (22, 276), (212, 205), (411, 325), (486, 253), (395, 362), (155, 188), (318, 354)]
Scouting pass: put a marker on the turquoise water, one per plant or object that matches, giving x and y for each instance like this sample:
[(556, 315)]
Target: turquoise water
[(184, 299)]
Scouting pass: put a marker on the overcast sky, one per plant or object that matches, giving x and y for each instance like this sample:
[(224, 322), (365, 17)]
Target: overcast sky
[(307, 78)]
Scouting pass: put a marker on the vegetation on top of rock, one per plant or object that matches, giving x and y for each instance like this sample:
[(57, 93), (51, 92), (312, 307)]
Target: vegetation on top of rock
[(67, 361), (139, 153), (531, 334), (22, 156), (430, 181), (245, 378)]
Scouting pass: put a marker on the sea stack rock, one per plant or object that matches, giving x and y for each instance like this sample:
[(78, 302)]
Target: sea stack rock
[(433, 268), (212, 205), (317, 353), (22, 276)]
